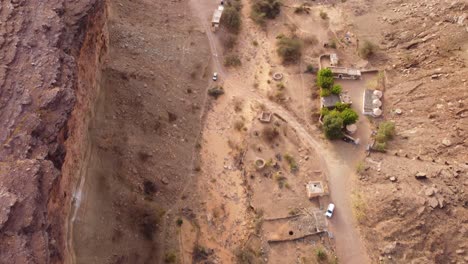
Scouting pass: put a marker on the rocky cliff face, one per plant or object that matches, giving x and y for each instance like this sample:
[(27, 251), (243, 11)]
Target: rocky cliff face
[(44, 76)]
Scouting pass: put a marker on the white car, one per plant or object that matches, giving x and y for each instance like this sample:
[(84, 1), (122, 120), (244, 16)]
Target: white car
[(215, 76), (330, 209)]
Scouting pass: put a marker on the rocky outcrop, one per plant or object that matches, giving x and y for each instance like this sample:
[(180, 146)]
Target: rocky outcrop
[(40, 44)]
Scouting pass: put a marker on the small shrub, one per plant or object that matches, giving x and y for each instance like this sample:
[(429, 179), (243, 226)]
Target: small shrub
[(341, 106), (359, 207), (310, 68), (230, 42), (324, 111), (380, 146), (332, 44), (302, 9), (270, 133), (238, 104), (325, 92), (232, 61), (311, 40), (170, 257), (360, 168), (237, 4), (367, 49), (246, 256), (216, 92), (179, 221), (321, 254), (292, 162), (280, 179), (349, 116), (387, 129), (325, 78), (332, 126), (336, 89), (323, 15), (289, 49), (239, 125), (280, 85), (294, 211), (255, 43)]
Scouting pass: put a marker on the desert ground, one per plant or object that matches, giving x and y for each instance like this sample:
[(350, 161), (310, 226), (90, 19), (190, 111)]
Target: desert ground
[(120, 146)]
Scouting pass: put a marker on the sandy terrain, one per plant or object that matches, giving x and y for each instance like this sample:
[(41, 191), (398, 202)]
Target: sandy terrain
[(112, 151)]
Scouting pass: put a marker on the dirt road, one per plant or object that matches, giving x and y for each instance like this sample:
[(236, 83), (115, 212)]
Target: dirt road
[(348, 243)]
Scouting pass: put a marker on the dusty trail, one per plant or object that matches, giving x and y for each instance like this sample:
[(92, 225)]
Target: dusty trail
[(349, 245)]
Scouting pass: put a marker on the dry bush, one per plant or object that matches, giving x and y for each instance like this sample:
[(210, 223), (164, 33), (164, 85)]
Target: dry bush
[(323, 15), (289, 49), (229, 42), (367, 49), (311, 40), (270, 133), (239, 125), (238, 104), (232, 60)]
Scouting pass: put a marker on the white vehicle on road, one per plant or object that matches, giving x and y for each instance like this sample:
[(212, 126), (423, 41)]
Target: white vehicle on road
[(215, 76), (330, 209)]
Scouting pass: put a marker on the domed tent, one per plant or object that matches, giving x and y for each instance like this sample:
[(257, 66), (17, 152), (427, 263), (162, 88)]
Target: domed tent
[(377, 103), (378, 94), (377, 112)]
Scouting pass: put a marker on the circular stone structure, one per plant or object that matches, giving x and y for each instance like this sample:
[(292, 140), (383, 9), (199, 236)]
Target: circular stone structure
[(351, 128), (277, 76), (259, 163)]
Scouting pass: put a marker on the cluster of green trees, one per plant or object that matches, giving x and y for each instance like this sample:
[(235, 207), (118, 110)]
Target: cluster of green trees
[(327, 84), (334, 120)]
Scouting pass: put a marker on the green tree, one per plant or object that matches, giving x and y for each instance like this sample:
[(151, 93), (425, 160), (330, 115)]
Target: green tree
[(325, 78), (349, 116), (325, 92), (290, 49), (231, 19), (332, 126), (336, 89), (341, 106)]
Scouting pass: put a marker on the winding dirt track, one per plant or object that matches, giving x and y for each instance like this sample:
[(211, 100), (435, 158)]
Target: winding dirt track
[(349, 246)]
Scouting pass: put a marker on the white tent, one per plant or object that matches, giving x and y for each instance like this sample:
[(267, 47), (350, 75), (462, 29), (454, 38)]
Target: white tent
[(351, 128), (378, 94), (377, 112), (376, 103)]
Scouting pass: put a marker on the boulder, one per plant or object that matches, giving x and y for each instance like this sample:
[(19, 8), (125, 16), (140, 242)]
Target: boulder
[(446, 142), (393, 179), (429, 191), (390, 248), (421, 175), (433, 202)]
